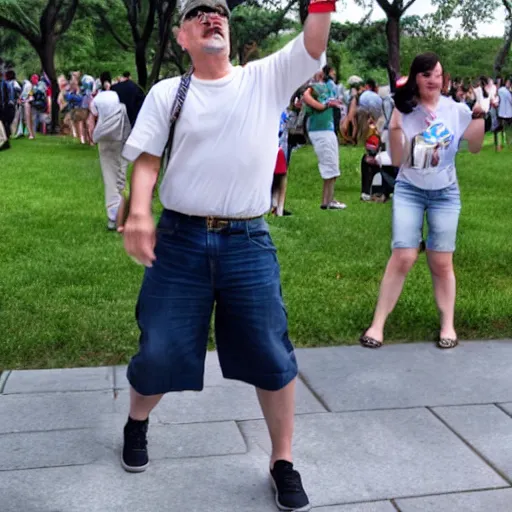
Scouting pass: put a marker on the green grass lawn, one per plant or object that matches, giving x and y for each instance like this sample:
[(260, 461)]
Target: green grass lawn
[(68, 291)]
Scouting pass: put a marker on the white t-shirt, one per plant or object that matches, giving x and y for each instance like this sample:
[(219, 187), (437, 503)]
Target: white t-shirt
[(447, 128), (226, 138), (371, 102), (104, 104), (505, 107), (484, 102)]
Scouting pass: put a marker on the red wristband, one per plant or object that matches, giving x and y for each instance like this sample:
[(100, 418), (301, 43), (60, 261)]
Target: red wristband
[(319, 6)]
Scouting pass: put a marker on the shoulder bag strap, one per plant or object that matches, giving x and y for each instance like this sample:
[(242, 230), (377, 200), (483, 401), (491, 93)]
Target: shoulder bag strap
[(175, 113), (124, 207)]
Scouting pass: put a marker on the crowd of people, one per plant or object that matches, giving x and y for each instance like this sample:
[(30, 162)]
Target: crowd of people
[(26, 106), (83, 102), (323, 112), (327, 114)]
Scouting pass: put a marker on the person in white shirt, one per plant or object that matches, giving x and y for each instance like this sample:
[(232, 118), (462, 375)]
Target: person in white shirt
[(212, 247), (425, 132), (485, 95), (110, 130), (504, 114)]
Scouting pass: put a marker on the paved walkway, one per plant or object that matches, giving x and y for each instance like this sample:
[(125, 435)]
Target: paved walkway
[(407, 427)]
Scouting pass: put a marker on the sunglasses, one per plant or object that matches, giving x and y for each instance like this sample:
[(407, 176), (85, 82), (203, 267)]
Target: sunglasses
[(199, 12)]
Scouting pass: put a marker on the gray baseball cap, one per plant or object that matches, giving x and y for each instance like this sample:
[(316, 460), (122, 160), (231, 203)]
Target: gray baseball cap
[(190, 5)]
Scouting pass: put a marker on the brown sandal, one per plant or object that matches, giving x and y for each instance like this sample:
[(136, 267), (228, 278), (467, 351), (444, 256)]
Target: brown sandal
[(368, 342), (445, 343)]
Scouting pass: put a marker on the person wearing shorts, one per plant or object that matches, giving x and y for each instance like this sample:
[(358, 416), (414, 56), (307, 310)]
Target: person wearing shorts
[(320, 99), (425, 132), (212, 247)]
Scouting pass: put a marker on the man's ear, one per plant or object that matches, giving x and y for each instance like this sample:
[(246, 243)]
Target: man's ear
[(180, 36)]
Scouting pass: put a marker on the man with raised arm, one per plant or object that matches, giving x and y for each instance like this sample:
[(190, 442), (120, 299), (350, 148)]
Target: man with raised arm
[(212, 246)]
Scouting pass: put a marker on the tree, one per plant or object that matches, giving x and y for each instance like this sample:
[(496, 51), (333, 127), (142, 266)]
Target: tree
[(141, 17), (164, 12), (252, 24), (42, 25), (394, 10), (149, 23), (502, 56), (471, 12)]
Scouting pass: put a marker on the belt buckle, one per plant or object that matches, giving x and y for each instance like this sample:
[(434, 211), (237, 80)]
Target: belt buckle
[(214, 223)]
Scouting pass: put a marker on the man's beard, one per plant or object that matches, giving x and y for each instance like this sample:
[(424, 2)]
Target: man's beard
[(215, 45)]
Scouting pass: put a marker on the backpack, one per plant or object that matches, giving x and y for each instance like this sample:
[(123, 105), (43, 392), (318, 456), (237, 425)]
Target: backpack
[(40, 102), (113, 128)]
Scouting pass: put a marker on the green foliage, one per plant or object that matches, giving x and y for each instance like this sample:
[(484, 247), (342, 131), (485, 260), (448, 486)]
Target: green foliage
[(86, 46), (92, 46), (369, 42), (256, 26), (469, 12), (26, 19), (464, 57), (18, 50)]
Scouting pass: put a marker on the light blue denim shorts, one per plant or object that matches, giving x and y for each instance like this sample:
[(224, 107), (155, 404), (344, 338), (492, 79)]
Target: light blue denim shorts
[(442, 209)]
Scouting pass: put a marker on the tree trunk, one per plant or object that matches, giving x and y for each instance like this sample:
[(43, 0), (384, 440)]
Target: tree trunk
[(303, 10), (164, 36), (393, 37), (501, 58), (140, 62), (46, 54), (157, 63)]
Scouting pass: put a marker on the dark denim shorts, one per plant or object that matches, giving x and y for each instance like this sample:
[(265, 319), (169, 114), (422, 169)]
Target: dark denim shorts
[(232, 268)]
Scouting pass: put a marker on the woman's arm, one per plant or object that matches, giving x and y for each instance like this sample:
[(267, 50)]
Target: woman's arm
[(396, 138), (309, 100)]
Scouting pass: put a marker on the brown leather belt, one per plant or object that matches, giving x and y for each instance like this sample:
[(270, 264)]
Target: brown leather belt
[(215, 223), (221, 223)]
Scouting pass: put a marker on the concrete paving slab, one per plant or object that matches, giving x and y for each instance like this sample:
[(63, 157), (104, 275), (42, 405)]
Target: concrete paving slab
[(366, 456), (376, 506), (220, 484), (481, 501), (49, 449), (216, 403), (178, 440), (51, 411), (68, 379), (487, 429), (212, 374), (410, 375), (507, 407)]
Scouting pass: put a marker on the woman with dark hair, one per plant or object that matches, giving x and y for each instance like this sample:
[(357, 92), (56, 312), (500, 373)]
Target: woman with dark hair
[(425, 131)]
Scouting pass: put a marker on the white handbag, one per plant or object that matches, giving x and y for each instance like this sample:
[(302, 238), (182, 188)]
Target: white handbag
[(114, 128)]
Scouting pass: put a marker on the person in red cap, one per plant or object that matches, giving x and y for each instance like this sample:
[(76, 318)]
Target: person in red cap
[(212, 248)]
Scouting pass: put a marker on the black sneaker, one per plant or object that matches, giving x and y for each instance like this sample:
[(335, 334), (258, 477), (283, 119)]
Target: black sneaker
[(290, 495), (135, 451)]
